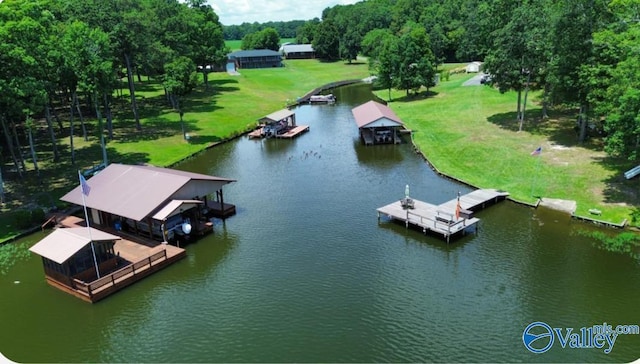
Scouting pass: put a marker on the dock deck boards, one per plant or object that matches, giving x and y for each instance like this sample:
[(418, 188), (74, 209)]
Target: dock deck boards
[(292, 133), (441, 218)]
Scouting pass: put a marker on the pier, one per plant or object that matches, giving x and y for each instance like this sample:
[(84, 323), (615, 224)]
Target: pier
[(442, 219)]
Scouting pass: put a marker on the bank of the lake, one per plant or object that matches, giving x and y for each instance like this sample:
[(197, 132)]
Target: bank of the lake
[(304, 272), (470, 133)]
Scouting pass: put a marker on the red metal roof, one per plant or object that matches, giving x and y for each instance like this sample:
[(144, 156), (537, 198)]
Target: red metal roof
[(371, 112), (137, 191)]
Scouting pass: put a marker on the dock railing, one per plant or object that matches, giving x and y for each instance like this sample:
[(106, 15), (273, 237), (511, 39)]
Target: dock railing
[(448, 223), (113, 278)]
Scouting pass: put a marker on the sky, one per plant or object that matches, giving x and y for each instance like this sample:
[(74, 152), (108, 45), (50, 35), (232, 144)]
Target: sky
[(235, 12)]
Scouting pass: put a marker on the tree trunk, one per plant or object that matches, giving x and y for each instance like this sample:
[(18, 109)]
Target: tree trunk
[(584, 120), (518, 114), (11, 147), (1, 185), (138, 74), (176, 103), (73, 151), (55, 115), (54, 144), (33, 153), (107, 110), (524, 104), (102, 143), (132, 91), (84, 128), (19, 147), (545, 102), (205, 77)]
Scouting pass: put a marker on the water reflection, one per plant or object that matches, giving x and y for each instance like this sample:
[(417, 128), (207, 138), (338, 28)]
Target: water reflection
[(305, 273)]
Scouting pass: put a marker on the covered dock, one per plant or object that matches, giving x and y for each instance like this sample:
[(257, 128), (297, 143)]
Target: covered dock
[(280, 124), (377, 124)]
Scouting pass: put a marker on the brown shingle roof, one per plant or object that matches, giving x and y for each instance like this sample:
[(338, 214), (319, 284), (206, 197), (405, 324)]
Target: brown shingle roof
[(134, 191), (371, 112)]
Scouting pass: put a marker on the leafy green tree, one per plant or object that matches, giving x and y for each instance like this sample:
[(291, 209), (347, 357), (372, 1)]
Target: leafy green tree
[(267, 38), (306, 32), (615, 80), (326, 40), (208, 48), (416, 67), (572, 41), (180, 79), (248, 41), (387, 61)]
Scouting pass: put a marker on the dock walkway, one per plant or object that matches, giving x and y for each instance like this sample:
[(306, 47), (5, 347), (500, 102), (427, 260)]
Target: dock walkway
[(441, 219), (291, 133)]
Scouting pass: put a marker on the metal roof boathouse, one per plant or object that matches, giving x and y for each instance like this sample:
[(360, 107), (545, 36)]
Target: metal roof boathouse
[(134, 212), (377, 123)]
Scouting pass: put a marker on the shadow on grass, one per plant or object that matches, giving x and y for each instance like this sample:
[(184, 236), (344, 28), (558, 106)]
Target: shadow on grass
[(558, 129), (204, 139), (619, 189), (416, 97), (56, 179)]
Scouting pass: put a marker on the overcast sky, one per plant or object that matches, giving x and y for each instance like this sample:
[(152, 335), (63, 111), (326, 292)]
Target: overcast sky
[(235, 12)]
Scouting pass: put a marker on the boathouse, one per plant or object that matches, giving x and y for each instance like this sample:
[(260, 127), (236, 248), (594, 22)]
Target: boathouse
[(255, 58), (157, 203), (377, 123), (280, 124)]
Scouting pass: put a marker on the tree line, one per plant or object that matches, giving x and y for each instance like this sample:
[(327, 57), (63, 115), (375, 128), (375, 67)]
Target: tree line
[(73, 54), (578, 53), (582, 54)]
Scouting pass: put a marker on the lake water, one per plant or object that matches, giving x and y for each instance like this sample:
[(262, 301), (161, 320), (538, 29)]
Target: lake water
[(305, 273)]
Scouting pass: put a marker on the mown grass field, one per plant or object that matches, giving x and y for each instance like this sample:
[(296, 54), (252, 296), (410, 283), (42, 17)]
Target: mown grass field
[(231, 105), (471, 133), (466, 132)]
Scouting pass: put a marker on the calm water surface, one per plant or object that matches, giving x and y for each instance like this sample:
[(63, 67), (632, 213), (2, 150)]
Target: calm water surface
[(305, 273)]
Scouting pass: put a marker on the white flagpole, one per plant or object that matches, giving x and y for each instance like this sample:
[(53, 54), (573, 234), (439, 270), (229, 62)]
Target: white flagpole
[(86, 219)]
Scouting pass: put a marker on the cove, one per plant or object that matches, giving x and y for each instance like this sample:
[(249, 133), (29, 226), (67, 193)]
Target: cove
[(304, 273)]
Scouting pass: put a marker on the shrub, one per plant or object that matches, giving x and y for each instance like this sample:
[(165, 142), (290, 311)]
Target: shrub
[(37, 216), (22, 219)]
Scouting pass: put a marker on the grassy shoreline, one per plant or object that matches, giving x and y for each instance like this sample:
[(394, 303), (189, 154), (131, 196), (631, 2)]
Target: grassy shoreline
[(470, 133), (465, 132)]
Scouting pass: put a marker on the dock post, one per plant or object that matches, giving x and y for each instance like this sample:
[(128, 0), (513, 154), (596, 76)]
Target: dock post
[(406, 223), (378, 217)]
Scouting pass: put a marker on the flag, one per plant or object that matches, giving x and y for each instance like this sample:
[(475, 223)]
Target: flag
[(537, 151), (84, 186)]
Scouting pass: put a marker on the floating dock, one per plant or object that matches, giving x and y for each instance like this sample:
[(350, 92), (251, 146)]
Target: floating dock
[(290, 133), (441, 219)]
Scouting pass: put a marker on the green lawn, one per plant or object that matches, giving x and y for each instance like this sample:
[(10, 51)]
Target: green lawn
[(232, 105), (466, 132), (471, 133)]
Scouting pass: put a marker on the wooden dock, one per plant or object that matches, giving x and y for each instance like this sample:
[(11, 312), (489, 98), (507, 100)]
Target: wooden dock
[(294, 132), (441, 219), (291, 133)]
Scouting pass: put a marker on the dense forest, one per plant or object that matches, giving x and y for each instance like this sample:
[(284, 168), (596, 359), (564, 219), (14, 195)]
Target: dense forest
[(72, 54)]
